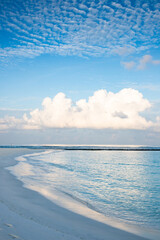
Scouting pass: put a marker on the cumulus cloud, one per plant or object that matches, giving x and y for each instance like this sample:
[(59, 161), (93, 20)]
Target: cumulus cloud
[(102, 110), (141, 63), (11, 122), (145, 60)]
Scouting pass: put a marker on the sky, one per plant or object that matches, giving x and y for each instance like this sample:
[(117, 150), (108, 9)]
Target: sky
[(80, 72)]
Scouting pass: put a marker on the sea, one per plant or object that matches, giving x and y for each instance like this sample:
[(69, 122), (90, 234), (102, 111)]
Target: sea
[(121, 183)]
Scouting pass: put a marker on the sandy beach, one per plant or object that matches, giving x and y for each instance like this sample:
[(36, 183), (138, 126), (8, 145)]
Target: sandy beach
[(26, 215)]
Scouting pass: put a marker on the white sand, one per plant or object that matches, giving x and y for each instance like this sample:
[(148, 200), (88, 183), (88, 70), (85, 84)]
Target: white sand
[(25, 214)]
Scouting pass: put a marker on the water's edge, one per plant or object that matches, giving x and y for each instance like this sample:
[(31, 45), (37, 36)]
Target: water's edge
[(69, 201)]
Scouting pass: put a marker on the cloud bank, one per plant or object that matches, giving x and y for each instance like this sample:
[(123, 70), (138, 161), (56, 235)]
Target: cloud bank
[(102, 110)]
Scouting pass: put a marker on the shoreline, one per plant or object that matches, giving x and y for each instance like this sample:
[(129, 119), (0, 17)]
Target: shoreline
[(27, 215)]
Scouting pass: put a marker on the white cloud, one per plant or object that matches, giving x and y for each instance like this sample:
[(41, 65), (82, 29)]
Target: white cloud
[(141, 63), (11, 122), (128, 65), (147, 59), (103, 27), (102, 110)]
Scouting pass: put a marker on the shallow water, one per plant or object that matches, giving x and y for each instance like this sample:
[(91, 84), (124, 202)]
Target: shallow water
[(120, 184)]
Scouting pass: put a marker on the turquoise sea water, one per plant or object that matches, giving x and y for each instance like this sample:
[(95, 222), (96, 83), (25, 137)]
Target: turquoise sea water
[(123, 185)]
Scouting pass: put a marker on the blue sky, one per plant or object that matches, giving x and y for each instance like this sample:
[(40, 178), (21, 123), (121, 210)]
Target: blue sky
[(105, 52)]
